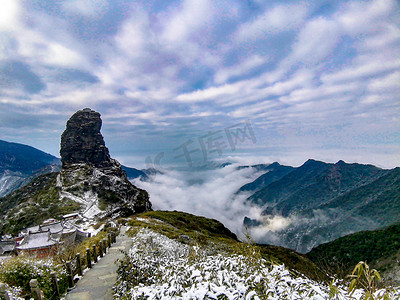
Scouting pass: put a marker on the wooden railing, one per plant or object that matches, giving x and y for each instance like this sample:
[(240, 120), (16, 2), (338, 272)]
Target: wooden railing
[(73, 268)]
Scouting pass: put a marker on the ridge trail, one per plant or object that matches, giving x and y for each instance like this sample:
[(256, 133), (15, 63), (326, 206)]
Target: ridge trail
[(97, 283)]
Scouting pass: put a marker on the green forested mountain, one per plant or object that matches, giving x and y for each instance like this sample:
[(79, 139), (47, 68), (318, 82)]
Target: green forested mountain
[(313, 184), (32, 204), (379, 248), (322, 202), (274, 172)]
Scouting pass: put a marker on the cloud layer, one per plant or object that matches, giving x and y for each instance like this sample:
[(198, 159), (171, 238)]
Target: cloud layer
[(209, 193), (316, 79)]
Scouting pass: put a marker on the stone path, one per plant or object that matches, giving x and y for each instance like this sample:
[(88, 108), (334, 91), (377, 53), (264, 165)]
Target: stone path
[(97, 283)]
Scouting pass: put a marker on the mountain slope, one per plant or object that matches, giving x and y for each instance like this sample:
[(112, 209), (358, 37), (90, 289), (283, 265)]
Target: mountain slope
[(273, 172), (32, 204), (319, 202), (179, 255), (20, 163), (22, 158), (313, 184), (133, 173), (379, 200), (380, 248), (191, 229)]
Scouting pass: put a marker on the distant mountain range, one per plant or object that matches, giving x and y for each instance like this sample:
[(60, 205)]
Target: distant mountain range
[(322, 201), (20, 163), (273, 172)]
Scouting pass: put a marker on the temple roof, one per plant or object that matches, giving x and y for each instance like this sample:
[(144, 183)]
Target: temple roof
[(37, 240)]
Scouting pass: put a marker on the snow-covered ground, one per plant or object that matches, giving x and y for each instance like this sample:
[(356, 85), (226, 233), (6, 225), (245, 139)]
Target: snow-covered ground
[(9, 181), (157, 267), (88, 199)]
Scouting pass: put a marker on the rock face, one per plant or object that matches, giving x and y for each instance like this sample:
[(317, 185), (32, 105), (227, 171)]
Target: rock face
[(90, 176), (82, 141)]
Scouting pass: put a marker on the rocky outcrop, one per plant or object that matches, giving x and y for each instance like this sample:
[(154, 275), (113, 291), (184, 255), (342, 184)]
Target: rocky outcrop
[(90, 176), (82, 141)]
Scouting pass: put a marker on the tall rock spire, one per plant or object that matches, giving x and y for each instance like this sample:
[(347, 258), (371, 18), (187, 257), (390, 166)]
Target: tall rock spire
[(82, 141), (90, 176)]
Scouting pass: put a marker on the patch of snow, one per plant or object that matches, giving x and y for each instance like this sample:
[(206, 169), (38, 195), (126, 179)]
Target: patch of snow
[(93, 231), (166, 269), (8, 181), (92, 208), (89, 202), (58, 181)]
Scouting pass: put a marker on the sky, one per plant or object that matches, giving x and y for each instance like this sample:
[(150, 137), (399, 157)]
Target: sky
[(191, 81)]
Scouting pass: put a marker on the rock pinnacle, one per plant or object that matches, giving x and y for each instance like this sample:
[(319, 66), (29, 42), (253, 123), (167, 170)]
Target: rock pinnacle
[(82, 141)]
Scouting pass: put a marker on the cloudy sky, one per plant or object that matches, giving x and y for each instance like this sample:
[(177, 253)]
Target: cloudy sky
[(195, 80)]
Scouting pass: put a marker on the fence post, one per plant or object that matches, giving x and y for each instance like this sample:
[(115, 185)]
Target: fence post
[(69, 273), (94, 253), (55, 283), (3, 291), (105, 245), (79, 264), (89, 261), (101, 248), (35, 289)]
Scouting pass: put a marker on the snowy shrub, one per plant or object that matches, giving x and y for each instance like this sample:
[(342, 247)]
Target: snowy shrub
[(157, 267), (17, 272), (13, 293)]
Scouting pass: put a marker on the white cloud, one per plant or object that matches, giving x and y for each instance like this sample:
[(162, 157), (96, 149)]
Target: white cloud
[(384, 40), (134, 35), (251, 111), (240, 69), (60, 55), (359, 17), (9, 14), (190, 18), (318, 93), (211, 93), (186, 32), (386, 84), (299, 79), (207, 193), (358, 72), (315, 42), (44, 40), (274, 20), (249, 90)]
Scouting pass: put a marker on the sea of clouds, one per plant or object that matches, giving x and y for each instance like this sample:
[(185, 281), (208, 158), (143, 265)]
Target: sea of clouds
[(212, 193)]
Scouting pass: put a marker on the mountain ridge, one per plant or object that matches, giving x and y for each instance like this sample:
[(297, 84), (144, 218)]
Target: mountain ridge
[(20, 163), (311, 198)]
